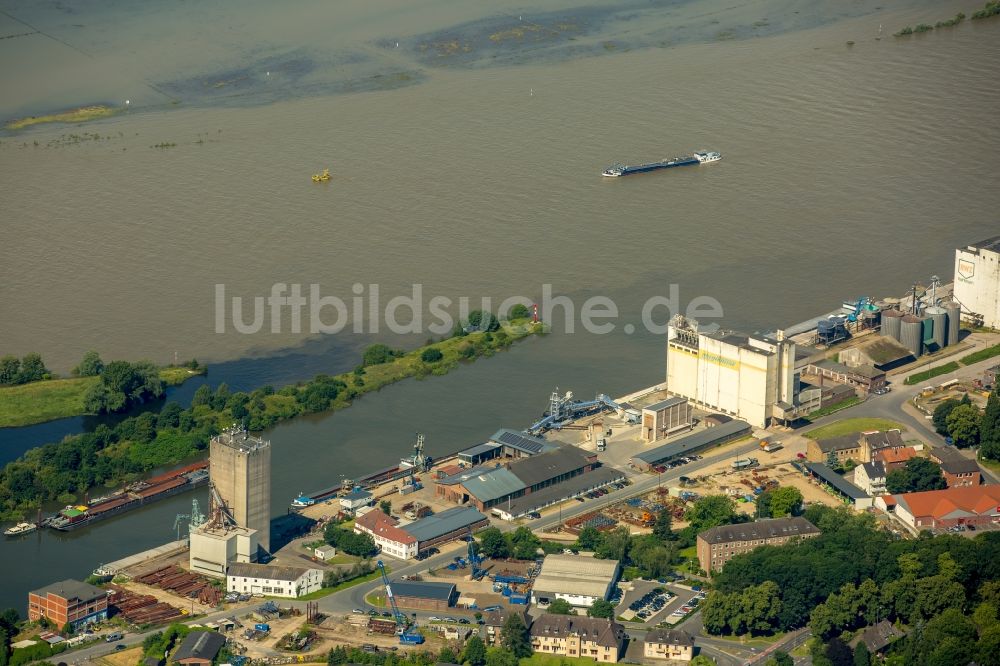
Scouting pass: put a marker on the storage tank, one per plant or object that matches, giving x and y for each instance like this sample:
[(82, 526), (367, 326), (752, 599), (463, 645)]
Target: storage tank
[(891, 323), (954, 311), (911, 334), (939, 325)]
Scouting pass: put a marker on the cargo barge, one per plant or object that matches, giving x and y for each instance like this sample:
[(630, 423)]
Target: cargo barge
[(138, 494), (701, 157)]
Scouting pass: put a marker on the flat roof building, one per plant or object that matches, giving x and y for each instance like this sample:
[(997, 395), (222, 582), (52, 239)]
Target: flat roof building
[(240, 472), (215, 546), (68, 601), (718, 545), (977, 280), (752, 377), (480, 453), (424, 595), (661, 419), (578, 579)]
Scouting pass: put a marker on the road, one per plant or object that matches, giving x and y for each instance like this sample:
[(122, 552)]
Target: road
[(896, 405)]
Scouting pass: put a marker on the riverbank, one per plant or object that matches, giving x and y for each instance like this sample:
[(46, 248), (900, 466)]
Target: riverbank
[(50, 399), (107, 457), (78, 115)]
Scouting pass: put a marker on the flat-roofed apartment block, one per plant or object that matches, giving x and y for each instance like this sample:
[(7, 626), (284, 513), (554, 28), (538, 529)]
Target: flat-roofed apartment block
[(718, 545), (752, 377), (594, 638), (68, 601), (578, 579), (240, 471)]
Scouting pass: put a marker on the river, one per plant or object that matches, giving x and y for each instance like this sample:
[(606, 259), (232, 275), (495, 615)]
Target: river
[(847, 170)]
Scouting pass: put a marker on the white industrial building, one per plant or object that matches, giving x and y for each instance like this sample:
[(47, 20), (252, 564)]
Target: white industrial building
[(290, 582), (214, 545), (579, 579), (751, 377), (977, 280)]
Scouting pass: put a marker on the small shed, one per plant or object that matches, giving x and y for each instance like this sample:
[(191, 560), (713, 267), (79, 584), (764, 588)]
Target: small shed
[(325, 552)]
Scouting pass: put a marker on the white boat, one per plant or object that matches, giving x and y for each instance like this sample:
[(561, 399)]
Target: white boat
[(705, 156), (19, 529)]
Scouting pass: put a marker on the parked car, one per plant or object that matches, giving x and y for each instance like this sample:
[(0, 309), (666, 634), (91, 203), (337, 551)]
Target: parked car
[(358, 611), (120, 646)]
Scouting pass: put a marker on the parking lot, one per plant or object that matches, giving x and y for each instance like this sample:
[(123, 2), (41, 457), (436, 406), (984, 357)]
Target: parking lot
[(653, 602)]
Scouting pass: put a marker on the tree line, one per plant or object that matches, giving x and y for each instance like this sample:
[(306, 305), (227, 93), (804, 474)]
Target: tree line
[(969, 426), (854, 574)]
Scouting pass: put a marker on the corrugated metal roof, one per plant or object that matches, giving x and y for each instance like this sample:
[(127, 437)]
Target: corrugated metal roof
[(443, 523), (546, 496), (479, 449), (264, 571), (837, 481), (664, 404), (576, 575), (694, 442), (494, 484), (542, 468)]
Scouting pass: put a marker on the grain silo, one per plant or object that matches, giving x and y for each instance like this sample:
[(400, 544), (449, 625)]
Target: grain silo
[(939, 326), (891, 323), (911, 334), (954, 311)]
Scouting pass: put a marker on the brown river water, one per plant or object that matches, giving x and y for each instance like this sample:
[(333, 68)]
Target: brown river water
[(467, 159)]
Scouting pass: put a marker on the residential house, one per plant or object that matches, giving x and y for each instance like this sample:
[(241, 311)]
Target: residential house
[(668, 644), (717, 545), (870, 477), (594, 638)]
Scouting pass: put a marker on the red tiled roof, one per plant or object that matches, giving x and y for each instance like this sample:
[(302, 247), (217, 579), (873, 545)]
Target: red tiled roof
[(378, 524), (895, 455), (939, 503)]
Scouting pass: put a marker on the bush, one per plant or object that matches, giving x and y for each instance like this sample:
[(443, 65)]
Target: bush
[(431, 355), (378, 353)]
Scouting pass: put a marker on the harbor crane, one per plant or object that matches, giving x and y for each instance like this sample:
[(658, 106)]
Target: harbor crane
[(474, 559), (406, 636)]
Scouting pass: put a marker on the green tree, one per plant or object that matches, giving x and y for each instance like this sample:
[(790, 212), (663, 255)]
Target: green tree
[(447, 656), (561, 607), (614, 545), (378, 353), (514, 636), (652, 556), (493, 544), (4, 647), (475, 651), (589, 538), (32, 369), (711, 511), (431, 355), (519, 311), (202, 396), (386, 507), (963, 425), (498, 656), (838, 652), (127, 384), (91, 365), (9, 619), (663, 528), (601, 608), (786, 501), (988, 648), (10, 368), (941, 413), (916, 475), (781, 658), (989, 427), (701, 660), (861, 655)]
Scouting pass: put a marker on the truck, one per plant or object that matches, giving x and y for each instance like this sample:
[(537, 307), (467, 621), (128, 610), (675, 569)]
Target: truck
[(744, 463), (111, 638), (768, 446)]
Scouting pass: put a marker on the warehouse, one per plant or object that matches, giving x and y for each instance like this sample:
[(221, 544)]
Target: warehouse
[(446, 526), (424, 595), (578, 579), (552, 467), (751, 377), (480, 453), (692, 443), (575, 487), (846, 490), (519, 445), (483, 487)]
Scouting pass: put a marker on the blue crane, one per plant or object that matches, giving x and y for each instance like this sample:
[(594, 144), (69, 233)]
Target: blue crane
[(402, 623), (474, 559)]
